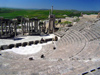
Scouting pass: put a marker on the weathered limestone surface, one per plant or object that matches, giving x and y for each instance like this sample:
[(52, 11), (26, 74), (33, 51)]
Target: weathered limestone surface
[(76, 53)]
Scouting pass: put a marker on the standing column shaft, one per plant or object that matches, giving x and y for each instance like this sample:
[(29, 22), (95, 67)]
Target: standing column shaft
[(25, 28), (45, 26), (12, 27), (32, 26), (1, 28), (29, 27), (9, 28), (51, 10), (15, 28), (39, 29), (6, 26), (22, 26), (36, 26)]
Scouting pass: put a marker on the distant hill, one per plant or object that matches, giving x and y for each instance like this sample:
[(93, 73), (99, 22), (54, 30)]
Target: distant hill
[(40, 13)]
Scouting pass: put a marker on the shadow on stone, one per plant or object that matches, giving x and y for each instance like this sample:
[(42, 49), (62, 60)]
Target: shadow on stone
[(11, 46), (24, 44), (37, 41), (30, 42), (15, 39), (54, 48), (98, 68), (42, 56), (42, 40), (31, 59), (85, 73), (92, 70), (18, 44)]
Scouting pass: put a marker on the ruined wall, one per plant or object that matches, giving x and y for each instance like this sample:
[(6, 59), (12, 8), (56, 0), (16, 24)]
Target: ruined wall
[(90, 16)]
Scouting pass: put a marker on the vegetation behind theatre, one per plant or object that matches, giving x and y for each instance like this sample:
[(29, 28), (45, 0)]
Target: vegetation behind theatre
[(41, 14)]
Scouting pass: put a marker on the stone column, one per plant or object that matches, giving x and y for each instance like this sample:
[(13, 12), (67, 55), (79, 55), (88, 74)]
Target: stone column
[(32, 26), (29, 27), (11, 27), (52, 23), (41, 26), (36, 25), (6, 27), (40, 29), (15, 28), (9, 23), (45, 26), (1, 23), (22, 26)]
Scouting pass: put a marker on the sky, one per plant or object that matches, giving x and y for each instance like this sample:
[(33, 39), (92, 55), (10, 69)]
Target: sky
[(58, 4)]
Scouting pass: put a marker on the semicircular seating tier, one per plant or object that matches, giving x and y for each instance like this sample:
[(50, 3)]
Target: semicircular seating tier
[(76, 53)]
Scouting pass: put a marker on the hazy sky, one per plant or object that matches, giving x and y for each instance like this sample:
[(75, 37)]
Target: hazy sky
[(58, 4)]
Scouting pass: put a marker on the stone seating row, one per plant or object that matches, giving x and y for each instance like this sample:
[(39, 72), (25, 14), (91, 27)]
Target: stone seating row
[(90, 51), (78, 49), (80, 67), (3, 47), (91, 34), (60, 33), (73, 56), (67, 51), (46, 50), (77, 41), (71, 37)]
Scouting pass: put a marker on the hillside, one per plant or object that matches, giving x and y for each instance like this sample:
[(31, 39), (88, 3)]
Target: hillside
[(41, 14)]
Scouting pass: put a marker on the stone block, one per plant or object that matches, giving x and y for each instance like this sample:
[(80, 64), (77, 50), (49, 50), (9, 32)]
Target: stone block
[(56, 38), (30, 42), (31, 58), (24, 44), (98, 68), (92, 70), (18, 44), (37, 41), (50, 39), (11, 46), (3, 47), (42, 40)]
